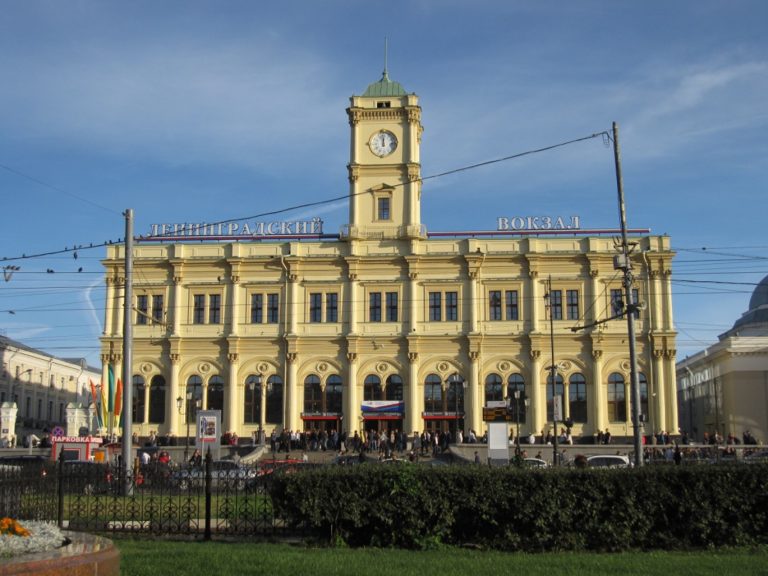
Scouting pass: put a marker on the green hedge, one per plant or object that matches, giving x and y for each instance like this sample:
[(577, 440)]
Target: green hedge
[(417, 507)]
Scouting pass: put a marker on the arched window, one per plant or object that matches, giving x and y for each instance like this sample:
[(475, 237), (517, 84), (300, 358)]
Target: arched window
[(433, 394), (313, 395), (643, 396), (194, 395), (493, 388), (372, 388), (577, 397), (275, 400), (216, 394), (139, 400), (252, 400), (558, 392), (157, 400), (617, 404), (333, 394), (455, 393), (517, 382), (394, 388)]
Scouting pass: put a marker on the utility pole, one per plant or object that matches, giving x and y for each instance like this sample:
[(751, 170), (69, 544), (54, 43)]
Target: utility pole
[(128, 355), (553, 370), (622, 262)]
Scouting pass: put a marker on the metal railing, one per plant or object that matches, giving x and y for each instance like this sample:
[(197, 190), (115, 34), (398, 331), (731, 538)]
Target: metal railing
[(198, 502)]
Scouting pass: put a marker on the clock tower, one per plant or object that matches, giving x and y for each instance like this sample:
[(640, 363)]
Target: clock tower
[(384, 166)]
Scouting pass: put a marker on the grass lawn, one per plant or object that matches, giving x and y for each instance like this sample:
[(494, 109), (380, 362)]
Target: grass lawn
[(150, 557)]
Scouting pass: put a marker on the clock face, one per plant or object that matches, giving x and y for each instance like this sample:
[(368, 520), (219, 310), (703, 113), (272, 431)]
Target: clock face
[(383, 143)]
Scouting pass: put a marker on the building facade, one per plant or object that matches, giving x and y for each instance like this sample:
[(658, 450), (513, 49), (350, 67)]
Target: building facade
[(723, 390), (385, 326), (41, 386)]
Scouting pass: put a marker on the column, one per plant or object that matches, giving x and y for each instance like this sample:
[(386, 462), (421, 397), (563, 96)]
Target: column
[(292, 391), (656, 392), (263, 405), (533, 307), (670, 396), (351, 403), (413, 311), (177, 307), (172, 414), (595, 290), (474, 407), (475, 303), (109, 313), (600, 398), (413, 407), (292, 305), (235, 314), (538, 403), (354, 299), (232, 416), (667, 291)]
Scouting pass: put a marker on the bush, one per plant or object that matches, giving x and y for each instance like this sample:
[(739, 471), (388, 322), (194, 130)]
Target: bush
[(415, 507)]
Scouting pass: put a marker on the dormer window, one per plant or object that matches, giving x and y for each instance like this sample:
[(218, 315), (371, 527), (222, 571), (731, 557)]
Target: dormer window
[(384, 104)]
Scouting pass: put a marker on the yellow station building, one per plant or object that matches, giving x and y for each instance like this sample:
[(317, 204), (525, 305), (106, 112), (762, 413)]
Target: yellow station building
[(385, 326)]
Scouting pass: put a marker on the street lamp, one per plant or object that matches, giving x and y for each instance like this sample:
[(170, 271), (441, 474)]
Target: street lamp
[(516, 395), (455, 382)]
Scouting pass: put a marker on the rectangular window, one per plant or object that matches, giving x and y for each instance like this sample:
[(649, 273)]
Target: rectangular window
[(257, 308), (214, 309), (157, 308), (435, 307), (273, 308), (556, 304), (494, 305), (451, 306), (391, 306), (572, 304), (198, 309), (383, 205), (511, 305), (331, 307), (374, 307), (141, 309), (316, 307), (617, 301)]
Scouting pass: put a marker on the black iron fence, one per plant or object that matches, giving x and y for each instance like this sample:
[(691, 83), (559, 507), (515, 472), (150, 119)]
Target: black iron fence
[(216, 498)]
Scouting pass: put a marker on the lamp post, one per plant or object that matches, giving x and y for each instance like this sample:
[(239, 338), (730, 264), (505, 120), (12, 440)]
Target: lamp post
[(456, 382), (516, 395), (553, 368)]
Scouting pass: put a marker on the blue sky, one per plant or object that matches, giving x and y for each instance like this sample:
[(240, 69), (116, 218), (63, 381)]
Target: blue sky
[(203, 111)]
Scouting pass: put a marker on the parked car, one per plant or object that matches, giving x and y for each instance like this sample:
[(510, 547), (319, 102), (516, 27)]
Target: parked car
[(224, 473), (608, 461), (535, 463)]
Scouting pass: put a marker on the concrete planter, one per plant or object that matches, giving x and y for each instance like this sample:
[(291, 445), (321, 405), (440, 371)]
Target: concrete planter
[(84, 555)]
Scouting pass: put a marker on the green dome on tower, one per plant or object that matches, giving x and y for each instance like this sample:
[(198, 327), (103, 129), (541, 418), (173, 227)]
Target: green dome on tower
[(384, 87)]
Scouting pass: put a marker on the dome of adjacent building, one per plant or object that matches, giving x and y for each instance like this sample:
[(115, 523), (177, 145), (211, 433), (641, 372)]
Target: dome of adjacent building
[(758, 308)]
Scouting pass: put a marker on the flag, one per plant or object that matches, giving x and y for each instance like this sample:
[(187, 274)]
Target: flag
[(95, 401), (118, 399), (103, 405), (111, 396)]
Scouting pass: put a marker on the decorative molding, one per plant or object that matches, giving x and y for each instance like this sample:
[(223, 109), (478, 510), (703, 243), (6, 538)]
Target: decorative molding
[(233, 357), (670, 353), (322, 367), (413, 357), (533, 273), (204, 367), (353, 172), (504, 366), (351, 357), (291, 357), (597, 354), (535, 354), (414, 172), (658, 354), (175, 357), (474, 355), (594, 272), (382, 367)]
